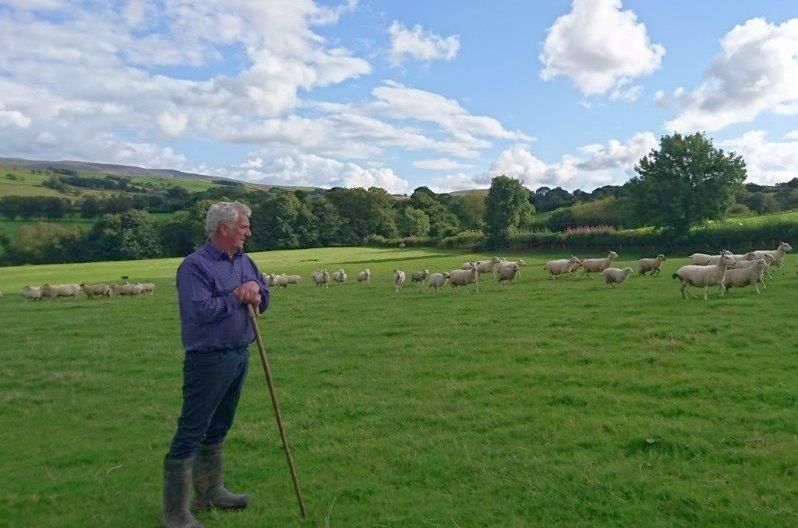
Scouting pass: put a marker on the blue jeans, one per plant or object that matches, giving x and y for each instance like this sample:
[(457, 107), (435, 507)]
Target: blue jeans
[(212, 383)]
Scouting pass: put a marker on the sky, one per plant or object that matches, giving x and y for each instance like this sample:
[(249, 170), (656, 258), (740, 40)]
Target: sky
[(398, 94)]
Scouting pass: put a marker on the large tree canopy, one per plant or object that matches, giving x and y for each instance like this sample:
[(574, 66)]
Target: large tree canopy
[(685, 181), (507, 207)]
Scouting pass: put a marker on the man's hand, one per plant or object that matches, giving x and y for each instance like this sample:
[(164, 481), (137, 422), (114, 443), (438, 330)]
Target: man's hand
[(248, 293)]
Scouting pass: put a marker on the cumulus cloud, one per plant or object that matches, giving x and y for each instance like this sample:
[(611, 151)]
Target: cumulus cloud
[(601, 48), (767, 162), (756, 71), (420, 45), (317, 171), (598, 165)]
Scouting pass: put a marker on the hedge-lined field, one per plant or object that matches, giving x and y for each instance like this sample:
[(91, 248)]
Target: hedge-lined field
[(540, 403)]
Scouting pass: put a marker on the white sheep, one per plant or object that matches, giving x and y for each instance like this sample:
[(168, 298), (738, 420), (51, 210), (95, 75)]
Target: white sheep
[(653, 265), (706, 276), (339, 276), (703, 259), (32, 293), (147, 287), (742, 277), (321, 277), (398, 279), (60, 290), (364, 275), (419, 276), (487, 266), (508, 271), (100, 289), (561, 266), (126, 289), (597, 264), (777, 254), (436, 280), (464, 278), (613, 276)]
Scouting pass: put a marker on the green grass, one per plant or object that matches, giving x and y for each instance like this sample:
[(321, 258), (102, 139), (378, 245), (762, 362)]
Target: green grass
[(541, 403)]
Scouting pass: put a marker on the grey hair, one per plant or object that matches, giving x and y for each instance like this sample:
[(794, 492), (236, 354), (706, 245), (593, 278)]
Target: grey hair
[(226, 213)]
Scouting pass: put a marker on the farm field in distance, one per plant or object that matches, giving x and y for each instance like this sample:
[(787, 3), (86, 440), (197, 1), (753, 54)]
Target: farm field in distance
[(539, 403)]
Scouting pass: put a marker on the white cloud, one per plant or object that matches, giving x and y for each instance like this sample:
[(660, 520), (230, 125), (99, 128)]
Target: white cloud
[(317, 171), (600, 48), (756, 71), (791, 135), (598, 165), (458, 182), (441, 164), (13, 117), (417, 44), (767, 162), (172, 124)]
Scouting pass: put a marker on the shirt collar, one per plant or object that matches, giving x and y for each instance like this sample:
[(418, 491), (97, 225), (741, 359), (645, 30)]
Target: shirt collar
[(218, 254)]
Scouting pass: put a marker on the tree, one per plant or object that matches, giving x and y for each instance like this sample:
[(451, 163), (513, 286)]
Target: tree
[(413, 222), (687, 180), (180, 234), (131, 235), (507, 207), (89, 207), (469, 208)]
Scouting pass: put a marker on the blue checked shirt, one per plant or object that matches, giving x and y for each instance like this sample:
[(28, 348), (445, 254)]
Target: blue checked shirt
[(211, 317)]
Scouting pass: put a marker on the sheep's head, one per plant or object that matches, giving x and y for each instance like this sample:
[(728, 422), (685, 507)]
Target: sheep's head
[(521, 262), (660, 257), (574, 259), (761, 264), (628, 271), (613, 255), (726, 260), (785, 246)]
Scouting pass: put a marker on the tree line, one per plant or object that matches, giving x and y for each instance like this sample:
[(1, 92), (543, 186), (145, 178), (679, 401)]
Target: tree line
[(684, 182)]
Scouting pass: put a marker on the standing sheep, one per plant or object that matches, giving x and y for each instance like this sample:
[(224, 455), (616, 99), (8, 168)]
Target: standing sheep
[(613, 276), (60, 290), (703, 259), (321, 277), (398, 279), (419, 276), (597, 265), (653, 265), (102, 290), (507, 271), (777, 254), (464, 278), (32, 293), (561, 266), (436, 280), (706, 276), (742, 277), (339, 276), (364, 275)]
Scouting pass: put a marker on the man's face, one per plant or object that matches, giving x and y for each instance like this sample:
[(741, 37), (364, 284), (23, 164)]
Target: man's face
[(238, 234)]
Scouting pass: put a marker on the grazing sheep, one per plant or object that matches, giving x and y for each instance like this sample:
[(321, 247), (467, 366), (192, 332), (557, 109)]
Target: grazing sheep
[(613, 276), (419, 276), (561, 266), (436, 280), (364, 275), (293, 279), (597, 265), (147, 287), (32, 293), (508, 271), (321, 277), (60, 290), (102, 290), (398, 279), (706, 276), (653, 265), (777, 254), (339, 276), (702, 259), (126, 289), (464, 278), (750, 276)]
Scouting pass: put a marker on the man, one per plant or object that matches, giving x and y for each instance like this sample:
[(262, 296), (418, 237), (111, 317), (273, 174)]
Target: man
[(215, 285)]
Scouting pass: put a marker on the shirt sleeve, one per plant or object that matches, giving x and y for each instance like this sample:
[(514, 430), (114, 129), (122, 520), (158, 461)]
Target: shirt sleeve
[(196, 294), (264, 290)]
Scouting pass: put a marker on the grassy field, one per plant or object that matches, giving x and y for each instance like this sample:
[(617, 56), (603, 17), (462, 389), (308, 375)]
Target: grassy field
[(540, 403)]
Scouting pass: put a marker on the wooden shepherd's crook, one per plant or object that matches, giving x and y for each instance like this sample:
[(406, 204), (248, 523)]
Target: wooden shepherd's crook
[(277, 414)]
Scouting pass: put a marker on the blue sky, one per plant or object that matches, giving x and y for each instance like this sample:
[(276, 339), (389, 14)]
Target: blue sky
[(398, 94)]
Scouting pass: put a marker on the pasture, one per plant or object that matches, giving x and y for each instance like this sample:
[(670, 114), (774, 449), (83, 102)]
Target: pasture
[(539, 403)]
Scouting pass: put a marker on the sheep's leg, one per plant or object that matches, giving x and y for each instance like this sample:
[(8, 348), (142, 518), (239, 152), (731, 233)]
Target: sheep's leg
[(721, 290), (706, 291), (756, 287), (684, 290)]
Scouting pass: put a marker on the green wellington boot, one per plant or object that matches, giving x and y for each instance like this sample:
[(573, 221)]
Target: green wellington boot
[(208, 483), (176, 488)]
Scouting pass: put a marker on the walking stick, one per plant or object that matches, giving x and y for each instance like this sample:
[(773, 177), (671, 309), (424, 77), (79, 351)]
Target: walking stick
[(277, 414)]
